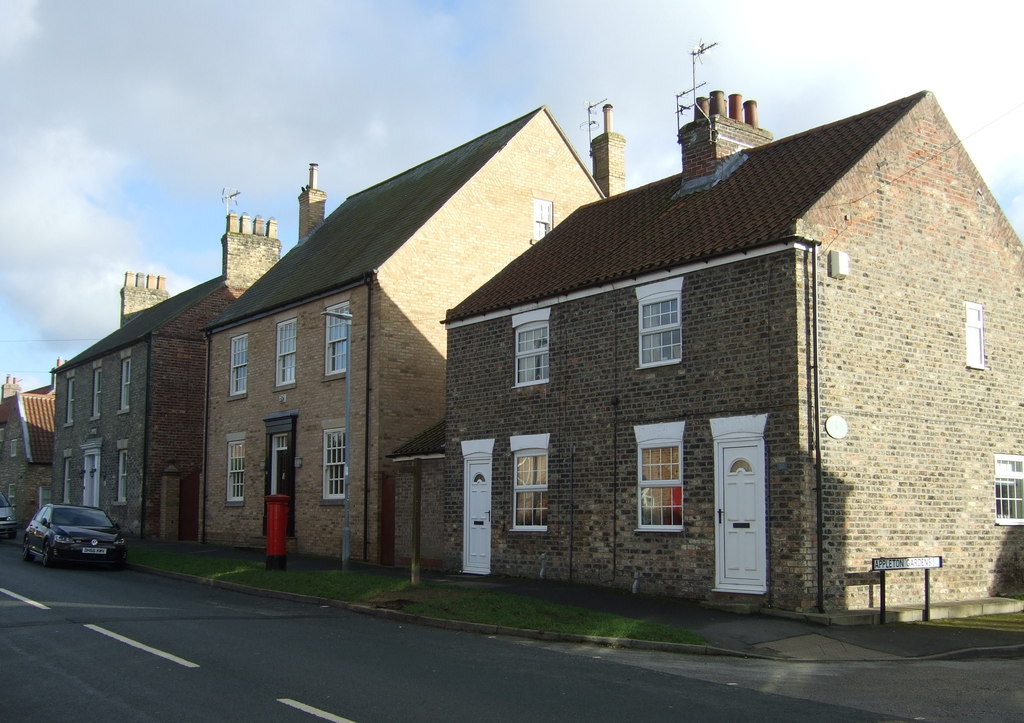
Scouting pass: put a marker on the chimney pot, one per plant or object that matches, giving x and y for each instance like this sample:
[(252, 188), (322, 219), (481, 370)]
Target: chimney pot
[(750, 113), (736, 107), (607, 117), (271, 228), (314, 169), (246, 224), (718, 106), (702, 109)]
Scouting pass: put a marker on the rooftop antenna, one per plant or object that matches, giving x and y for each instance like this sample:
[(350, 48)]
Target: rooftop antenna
[(591, 109), (695, 55), (228, 196)]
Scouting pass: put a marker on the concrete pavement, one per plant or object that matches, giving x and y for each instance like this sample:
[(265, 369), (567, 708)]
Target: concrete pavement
[(759, 634)]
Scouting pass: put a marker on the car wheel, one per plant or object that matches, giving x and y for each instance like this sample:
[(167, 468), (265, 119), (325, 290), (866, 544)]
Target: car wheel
[(26, 551), (48, 560)]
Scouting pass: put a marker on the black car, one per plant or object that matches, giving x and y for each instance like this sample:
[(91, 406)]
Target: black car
[(71, 533)]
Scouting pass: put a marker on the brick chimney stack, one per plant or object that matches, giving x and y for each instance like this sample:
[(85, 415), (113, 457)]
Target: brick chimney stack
[(11, 387), (312, 204), (140, 292), (249, 248), (719, 129), (609, 153)]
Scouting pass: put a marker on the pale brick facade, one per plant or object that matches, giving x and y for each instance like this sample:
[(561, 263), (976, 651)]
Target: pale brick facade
[(434, 234), (914, 474)]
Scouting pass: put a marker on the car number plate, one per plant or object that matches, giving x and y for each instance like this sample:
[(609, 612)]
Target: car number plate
[(94, 550)]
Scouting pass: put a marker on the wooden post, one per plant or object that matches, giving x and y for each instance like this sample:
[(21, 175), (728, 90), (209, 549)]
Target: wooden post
[(417, 483)]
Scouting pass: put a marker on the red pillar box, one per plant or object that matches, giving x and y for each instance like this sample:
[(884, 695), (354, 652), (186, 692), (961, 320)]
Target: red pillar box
[(277, 530)]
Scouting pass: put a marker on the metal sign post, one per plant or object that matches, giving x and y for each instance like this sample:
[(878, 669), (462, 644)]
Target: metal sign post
[(881, 564)]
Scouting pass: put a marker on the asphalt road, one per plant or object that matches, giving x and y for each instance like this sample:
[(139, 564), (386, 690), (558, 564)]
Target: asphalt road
[(98, 645)]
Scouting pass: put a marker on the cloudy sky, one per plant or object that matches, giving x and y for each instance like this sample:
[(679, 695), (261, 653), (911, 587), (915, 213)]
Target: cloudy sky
[(122, 121)]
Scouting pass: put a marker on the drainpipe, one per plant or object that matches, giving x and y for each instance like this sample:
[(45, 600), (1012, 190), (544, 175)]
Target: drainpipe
[(366, 420), (816, 419), (572, 503), (206, 429)]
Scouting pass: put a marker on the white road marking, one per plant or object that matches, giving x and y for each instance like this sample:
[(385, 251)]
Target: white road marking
[(140, 646), (25, 600), (314, 711)]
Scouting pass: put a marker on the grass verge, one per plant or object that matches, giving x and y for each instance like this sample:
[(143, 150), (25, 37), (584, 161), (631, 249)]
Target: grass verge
[(436, 601)]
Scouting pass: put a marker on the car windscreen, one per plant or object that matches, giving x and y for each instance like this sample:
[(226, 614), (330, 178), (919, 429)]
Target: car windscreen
[(3, 501), (80, 517)]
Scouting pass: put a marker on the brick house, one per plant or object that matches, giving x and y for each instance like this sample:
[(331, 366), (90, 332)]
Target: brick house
[(746, 381), (393, 257), (26, 447), (129, 409)]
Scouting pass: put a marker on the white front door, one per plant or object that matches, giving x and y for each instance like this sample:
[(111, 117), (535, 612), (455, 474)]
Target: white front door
[(477, 557), (91, 480)]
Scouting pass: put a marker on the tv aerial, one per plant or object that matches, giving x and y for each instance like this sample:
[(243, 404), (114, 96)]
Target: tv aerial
[(228, 196), (590, 122), (695, 55)]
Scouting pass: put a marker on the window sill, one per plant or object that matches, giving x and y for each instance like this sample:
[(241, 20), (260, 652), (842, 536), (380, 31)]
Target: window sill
[(665, 528), (234, 503), (284, 387), (529, 529), (1010, 523), (529, 384), (332, 501), (240, 395), (124, 410), (655, 365)]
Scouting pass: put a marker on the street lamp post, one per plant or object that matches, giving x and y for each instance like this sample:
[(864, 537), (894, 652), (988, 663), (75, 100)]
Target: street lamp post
[(346, 530)]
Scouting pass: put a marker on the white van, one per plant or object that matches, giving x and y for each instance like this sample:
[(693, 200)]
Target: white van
[(8, 522)]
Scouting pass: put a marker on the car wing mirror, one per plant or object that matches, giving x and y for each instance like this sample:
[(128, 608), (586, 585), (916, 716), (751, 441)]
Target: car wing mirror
[(44, 522)]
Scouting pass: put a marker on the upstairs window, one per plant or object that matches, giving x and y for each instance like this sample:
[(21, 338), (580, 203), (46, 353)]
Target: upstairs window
[(69, 401), (97, 391), (975, 334), (532, 341), (239, 364), (543, 218), (530, 481), (126, 384), (660, 322), (1009, 489), (336, 341), (286, 345)]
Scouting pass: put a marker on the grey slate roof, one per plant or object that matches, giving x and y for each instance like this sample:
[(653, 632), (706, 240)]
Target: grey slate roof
[(652, 228), (361, 234), (428, 442), (146, 322)]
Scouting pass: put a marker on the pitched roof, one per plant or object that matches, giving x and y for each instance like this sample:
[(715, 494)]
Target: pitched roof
[(429, 442), (147, 321), (369, 227), (38, 411), (651, 229)]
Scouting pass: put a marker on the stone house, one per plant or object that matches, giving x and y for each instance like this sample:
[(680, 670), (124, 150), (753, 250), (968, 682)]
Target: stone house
[(26, 447), (745, 382), (286, 363), (129, 409)]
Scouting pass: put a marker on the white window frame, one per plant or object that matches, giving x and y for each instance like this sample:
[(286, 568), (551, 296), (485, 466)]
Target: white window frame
[(122, 476), (1009, 502), (334, 463), (238, 375), (97, 392), (974, 332), (530, 447), (659, 436), (235, 490), (287, 345), (543, 218), (336, 333), (69, 401), (532, 332), (648, 297), (66, 491), (125, 400)]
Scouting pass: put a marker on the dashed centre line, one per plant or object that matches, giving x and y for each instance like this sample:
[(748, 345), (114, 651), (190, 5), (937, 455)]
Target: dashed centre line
[(25, 600), (314, 711), (143, 647)]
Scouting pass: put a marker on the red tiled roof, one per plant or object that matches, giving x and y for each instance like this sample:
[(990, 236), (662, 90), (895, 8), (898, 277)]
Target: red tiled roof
[(648, 229), (38, 410)]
